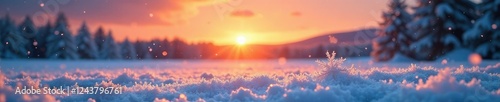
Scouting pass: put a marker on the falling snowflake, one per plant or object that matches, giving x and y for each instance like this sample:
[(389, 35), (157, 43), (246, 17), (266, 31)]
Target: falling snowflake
[(164, 53), (151, 15), (42, 4), (475, 59), (444, 62), (494, 26), (332, 39)]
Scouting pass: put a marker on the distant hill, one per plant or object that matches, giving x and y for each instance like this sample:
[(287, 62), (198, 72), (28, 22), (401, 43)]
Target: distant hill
[(348, 44), (343, 38)]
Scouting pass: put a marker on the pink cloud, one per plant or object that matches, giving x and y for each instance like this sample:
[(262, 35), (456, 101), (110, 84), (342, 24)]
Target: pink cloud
[(143, 12), (296, 14), (243, 13)]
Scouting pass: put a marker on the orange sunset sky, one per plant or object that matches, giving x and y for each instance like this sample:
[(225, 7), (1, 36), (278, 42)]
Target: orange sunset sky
[(218, 21)]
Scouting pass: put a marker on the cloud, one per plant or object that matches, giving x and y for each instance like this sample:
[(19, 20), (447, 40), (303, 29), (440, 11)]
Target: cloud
[(296, 14), (243, 13), (163, 12)]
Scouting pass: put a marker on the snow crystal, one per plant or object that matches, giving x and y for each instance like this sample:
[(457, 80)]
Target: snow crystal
[(243, 95), (91, 100), (207, 76), (319, 94)]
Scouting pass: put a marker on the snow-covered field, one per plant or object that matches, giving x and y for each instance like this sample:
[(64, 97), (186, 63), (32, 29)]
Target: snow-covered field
[(355, 79)]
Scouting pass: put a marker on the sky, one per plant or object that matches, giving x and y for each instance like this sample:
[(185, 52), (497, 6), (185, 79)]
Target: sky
[(268, 22)]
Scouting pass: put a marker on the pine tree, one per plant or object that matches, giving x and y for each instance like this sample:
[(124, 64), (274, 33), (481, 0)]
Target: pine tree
[(128, 50), (484, 37), (167, 47), (87, 48), (320, 52), (12, 40), (1, 35), (28, 30), (61, 45), (179, 47), (439, 25), (110, 48), (142, 50), (41, 39), (156, 49), (393, 37), (99, 39), (285, 52)]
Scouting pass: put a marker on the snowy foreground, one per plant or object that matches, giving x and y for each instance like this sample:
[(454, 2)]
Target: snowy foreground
[(337, 80)]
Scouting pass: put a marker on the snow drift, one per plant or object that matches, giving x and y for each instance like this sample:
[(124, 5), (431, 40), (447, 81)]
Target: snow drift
[(329, 81)]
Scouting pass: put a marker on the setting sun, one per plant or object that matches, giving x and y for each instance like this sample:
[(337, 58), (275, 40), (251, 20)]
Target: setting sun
[(241, 40)]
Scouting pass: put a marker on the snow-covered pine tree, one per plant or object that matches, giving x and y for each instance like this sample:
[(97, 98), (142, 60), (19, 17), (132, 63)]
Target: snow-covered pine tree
[(1, 35), (484, 37), (61, 44), (12, 40), (284, 52), (438, 26), (99, 39), (87, 48), (167, 47), (179, 47), (320, 51), (41, 39), (142, 50), (156, 47), (110, 49), (128, 50), (393, 37), (28, 30)]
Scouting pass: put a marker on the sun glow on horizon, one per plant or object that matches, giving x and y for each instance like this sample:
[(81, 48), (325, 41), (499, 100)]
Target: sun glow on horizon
[(241, 40)]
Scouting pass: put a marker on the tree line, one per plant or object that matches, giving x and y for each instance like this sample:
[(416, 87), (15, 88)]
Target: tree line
[(437, 27), (55, 41)]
